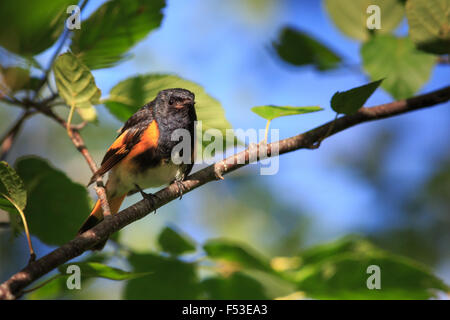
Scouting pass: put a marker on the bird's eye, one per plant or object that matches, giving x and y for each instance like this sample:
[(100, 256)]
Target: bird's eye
[(171, 101)]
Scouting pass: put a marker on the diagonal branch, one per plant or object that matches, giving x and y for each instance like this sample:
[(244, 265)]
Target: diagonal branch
[(9, 138), (13, 288), (78, 142)]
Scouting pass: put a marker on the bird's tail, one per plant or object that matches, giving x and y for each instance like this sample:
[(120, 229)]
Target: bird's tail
[(97, 215)]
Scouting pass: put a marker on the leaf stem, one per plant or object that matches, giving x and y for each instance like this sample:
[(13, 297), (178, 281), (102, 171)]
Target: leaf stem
[(69, 120), (267, 130), (25, 225)]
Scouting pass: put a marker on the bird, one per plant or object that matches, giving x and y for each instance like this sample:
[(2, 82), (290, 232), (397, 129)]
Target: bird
[(141, 155)]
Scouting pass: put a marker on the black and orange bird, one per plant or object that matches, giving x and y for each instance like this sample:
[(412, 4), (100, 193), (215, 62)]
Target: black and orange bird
[(141, 155)]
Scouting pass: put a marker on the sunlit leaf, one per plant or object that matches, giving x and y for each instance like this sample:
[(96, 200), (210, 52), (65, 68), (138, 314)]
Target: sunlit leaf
[(429, 24), (351, 16), (11, 185), (175, 243), (75, 84), (298, 48), (272, 112), (105, 37), (56, 206), (348, 102), (404, 68)]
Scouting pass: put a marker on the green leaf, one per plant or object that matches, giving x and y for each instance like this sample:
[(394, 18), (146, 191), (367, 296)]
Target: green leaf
[(54, 289), (99, 270), (131, 94), (11, 185), (29, 27), (56, 206), (338, 270), (76, 85), (88, 114), (351, 16), (15, 78), (298, 48), (230, 251), (237, 286), (170, 278), (429, 24), (112, 30), (348, 102), (348, 244), (175, 243), (271, 112), (345, 277), (405, 68)]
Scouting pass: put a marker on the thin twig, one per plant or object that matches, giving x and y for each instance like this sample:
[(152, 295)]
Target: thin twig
[(14, 286), (8, 139)]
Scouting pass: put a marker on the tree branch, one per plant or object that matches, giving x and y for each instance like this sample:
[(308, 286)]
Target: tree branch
[(13, 288), (9, 138), (78, 141)]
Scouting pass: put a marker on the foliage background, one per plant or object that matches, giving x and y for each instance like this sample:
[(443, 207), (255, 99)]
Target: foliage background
[(388, 181)]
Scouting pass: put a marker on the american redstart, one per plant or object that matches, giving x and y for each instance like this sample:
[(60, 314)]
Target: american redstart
[(140, 157)]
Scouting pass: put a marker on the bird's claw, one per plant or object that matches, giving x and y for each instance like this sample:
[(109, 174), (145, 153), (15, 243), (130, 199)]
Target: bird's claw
[(150, 197)]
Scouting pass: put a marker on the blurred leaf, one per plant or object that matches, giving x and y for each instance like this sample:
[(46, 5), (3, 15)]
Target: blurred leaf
[(170, 278), (99, 270), (405, 68), (298, 48), (348, 102), (345, 277), (113, 29), (237, 286), (51, 290), (131, 94), (88, 114), (56, 206), (348, 244), (29, 27), (429, 24), (15, 78), (221, 249), (272, 112), (351, 16), (175, 243), (11, 186), (76, 85), (57, 287), (32, 84), (339, 271)]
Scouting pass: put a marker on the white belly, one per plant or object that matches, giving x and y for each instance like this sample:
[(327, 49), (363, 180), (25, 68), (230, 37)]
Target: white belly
[(121, 181)]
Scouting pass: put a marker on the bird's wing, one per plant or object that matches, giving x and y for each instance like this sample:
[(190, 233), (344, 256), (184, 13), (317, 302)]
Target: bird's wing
[(121, 147)]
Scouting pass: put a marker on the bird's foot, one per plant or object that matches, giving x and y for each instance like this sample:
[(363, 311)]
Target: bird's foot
[(180, 187), (150, 197)]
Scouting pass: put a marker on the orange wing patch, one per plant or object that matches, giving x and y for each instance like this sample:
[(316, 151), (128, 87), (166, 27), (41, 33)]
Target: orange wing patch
[(119, 141), (116, 152), (149, 139)]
